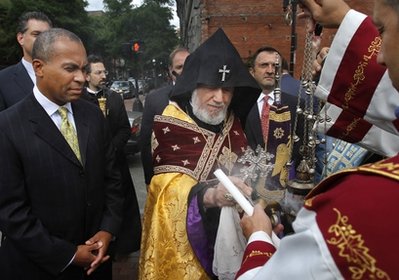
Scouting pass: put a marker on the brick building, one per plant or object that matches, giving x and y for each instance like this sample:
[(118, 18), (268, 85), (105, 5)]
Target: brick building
[(249, 24)]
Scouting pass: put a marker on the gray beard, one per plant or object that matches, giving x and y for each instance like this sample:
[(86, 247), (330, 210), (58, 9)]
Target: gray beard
[(203, 115)]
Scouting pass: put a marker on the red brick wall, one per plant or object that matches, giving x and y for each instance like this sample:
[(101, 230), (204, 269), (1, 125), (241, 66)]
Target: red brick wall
[(251, 24)]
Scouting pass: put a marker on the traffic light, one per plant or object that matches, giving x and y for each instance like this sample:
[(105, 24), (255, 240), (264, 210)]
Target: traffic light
[(136, 46)]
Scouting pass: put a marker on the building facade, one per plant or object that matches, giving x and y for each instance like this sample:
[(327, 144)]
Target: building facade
[(251, 24)]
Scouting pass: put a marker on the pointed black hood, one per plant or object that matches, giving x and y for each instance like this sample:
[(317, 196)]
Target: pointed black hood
[(216, 63)]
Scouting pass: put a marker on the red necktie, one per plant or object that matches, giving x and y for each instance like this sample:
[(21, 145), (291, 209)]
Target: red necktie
[(264, 120)]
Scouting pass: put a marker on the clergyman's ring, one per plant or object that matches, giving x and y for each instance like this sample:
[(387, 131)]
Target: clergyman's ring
[(228, 196)]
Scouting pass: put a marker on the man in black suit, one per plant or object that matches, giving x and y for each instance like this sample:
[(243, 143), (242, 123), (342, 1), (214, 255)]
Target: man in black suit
[(113, 108), (289, 84), (272, 130), (17, 81), (155, 103), (61, 199)]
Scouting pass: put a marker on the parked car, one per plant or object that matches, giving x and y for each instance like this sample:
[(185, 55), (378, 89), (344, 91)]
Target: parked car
[(132, 145), (125, 88), (142, 85)]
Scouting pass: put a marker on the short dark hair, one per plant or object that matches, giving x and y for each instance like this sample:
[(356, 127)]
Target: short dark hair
[(92, 59), (25, 17), (43, 46), (258, 51)]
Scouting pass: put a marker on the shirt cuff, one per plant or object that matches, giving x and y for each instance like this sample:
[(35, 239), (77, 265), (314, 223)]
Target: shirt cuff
[(69, 263), (260, 236)]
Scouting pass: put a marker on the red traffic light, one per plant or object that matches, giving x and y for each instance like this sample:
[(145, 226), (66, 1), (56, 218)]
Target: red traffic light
[(136, 47)]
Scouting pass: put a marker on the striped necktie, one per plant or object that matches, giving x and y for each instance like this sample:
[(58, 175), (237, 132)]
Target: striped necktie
[(265, 119), (68, 131)]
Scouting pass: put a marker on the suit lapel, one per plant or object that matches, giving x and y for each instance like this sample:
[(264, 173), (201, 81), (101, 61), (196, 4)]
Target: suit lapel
[(45, 128), (22, 78), (82, 129), (254, 116)]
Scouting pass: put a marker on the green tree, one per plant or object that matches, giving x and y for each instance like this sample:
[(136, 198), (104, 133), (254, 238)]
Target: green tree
[(5, 36), (108, 35), (161, 2), (123, 23), (66, 14)]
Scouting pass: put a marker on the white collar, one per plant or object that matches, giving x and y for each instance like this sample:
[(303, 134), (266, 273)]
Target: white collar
[(270, 100), (49, 106), (29, 68)]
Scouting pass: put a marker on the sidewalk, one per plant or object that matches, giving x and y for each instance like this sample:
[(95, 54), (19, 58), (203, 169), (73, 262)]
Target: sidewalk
[(127, 268)]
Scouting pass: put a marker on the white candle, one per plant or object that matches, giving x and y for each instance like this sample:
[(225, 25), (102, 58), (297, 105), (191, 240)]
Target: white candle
[(237, 195), (240, 199)]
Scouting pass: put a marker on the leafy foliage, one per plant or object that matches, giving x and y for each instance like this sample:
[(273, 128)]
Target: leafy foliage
[(148, 23), (66, 14), (107, 34)]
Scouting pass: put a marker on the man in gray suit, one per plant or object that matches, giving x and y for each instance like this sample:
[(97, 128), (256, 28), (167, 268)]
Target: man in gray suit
[(61, 199), (155, 103), (17, 81)]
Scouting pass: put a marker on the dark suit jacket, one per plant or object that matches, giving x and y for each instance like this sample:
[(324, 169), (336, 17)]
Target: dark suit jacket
[(155, 103), (253, 128), (129, 237), (116, 117), (49, 201), (290, 85), (15, 84)]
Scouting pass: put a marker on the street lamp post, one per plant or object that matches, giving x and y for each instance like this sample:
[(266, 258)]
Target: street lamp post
[(155, 72)]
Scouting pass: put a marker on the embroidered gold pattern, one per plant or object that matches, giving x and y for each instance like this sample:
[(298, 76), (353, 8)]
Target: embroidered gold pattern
[(227, 158), (165, 250), (280, 117), (352, 248), (358, 76), (154, 143), (278, 133), (388, 166), (387, 169), (309, 202), (210, 153), (351, 127), (255, 253)]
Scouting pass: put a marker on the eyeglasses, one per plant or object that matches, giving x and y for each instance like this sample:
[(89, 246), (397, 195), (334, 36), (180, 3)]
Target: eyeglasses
[(99, 72)]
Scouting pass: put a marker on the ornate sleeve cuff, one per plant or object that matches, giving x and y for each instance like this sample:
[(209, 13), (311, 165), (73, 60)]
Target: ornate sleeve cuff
[(256, 254)]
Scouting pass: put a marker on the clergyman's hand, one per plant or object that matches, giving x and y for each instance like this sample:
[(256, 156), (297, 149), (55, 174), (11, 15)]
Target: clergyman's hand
[(259, 221), (328, 13), (319, 61), (220, 197)]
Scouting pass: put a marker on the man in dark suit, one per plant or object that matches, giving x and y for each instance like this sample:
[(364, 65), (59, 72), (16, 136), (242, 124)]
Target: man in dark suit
[(17, 81), (289, 84), (61, 199), (113, 108), (271, 126), (263, 70), (155, 103)]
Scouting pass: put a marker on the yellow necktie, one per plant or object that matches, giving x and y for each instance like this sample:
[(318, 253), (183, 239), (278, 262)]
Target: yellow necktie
[(69, 132)]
